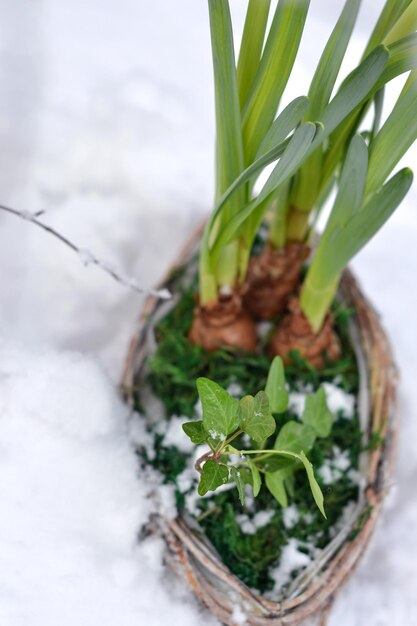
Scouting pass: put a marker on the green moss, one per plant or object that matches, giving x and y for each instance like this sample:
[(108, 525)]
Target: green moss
[(172, 373)]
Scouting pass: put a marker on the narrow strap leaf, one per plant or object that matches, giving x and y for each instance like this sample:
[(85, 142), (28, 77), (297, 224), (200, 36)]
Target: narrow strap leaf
[(395, 137), (285, 168), (345, 242), (351, 186), (391, 12), (274, 70), (271, 149), (229, 146), (251, 46), (329, 65), (354, 90)]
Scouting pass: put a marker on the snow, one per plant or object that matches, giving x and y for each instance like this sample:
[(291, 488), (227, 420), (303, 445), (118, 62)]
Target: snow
[(338, 400), (239, 616), (175, 436), (107, 124), (292, 559), (249, 526), (290, 516), (73, 503)]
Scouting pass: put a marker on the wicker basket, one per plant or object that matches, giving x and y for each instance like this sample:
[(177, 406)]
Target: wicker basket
[(310, 597)]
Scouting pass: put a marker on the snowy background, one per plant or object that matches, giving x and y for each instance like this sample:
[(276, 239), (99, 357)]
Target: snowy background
[(106, 122)]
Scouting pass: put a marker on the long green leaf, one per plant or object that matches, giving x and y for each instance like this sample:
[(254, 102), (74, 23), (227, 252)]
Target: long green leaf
[(354, 90), (391, 13), (285, 168), (395, 137), (351, 186), (307, 181), (274, 70), (270, 150), (345, 242), (406, 24), (229, 143), (340, 244), (229, 146), (402, 58), (286, 121), (329, 65), (251, 46)]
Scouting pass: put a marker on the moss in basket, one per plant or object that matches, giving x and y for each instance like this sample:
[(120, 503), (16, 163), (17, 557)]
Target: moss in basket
[(307, 142), (246, 554)]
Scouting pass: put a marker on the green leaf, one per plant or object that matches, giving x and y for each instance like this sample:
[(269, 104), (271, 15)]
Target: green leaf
[(295, 437), (272, 148), (195, 431), (220, 410), (274, 70), (314, 486), (317, 414), (405, 25), (255, 417), (378, 110), (289, 162), (229, 144), (395, 137), (344, 242), (402, 58), (329, 65), (351, 187), (354, 90), (276, 387), (251, 46), (286, 121), (240, 484), (315, 489), (275, 484), (213, 475), (390, 14), (256, 477)]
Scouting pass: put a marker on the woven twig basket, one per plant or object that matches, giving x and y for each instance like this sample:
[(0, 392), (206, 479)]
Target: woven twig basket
[(310, 597)]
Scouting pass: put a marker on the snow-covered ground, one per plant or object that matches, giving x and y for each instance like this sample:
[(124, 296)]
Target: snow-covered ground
[(106, 122)]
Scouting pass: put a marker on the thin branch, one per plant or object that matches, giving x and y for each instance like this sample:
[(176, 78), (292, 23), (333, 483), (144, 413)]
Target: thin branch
[(86, 256)]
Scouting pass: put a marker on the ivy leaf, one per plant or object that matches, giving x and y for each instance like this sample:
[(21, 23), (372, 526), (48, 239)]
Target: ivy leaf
[(255, 417), (220, 410), (295, 437), (317, 414), (275, 387), (195, 431), (240, 484), (275, 484), (213, 476), (314, 486), (256, 477)]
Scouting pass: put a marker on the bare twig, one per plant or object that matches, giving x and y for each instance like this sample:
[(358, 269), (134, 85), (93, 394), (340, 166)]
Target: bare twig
[(86, 256)]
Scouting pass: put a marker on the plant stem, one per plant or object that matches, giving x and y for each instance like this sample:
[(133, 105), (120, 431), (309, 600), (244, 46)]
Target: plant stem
[(297, 224), (280, 208), (315, 302)]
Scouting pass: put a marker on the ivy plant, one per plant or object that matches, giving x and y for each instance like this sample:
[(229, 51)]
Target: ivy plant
[(225, 419)]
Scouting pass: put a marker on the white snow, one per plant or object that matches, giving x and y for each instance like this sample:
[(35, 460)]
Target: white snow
[(292, 559), (249, 525), (73, 502), (239, 616), (111, 131), (175, 436), (290, 516), (339, 401)]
